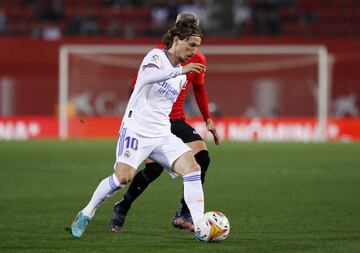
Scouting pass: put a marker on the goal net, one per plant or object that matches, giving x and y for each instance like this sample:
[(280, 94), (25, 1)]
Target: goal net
[(241, 81)]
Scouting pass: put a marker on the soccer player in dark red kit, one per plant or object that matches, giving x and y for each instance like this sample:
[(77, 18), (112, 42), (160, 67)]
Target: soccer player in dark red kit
[(184, 131)]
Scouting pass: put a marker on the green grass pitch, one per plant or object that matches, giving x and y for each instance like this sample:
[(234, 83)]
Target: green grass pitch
[(278, 197)]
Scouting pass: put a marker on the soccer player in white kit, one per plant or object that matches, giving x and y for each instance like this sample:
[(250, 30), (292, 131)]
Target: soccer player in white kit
[(145, 130)]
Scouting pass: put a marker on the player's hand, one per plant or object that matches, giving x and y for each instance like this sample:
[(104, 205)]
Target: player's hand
[(210, 127), (193, 67)]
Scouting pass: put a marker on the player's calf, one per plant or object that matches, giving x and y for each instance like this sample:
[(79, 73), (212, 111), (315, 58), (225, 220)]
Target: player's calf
[(203, 159)]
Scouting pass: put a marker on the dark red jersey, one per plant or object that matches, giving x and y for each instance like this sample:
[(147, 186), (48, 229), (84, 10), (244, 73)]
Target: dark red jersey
[(195, 79)]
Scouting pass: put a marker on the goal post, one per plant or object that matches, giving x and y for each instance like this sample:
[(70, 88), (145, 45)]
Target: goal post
[(222, 60), (64, 53)]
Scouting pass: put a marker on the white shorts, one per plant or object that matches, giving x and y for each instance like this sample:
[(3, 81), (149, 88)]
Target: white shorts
[(133, 149)]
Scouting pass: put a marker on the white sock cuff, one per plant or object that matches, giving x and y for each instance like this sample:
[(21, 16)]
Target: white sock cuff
[(192, 176), (114, 182)]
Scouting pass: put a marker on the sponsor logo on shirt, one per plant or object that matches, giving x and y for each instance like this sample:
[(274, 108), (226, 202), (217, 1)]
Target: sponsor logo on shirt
[(167, 91)]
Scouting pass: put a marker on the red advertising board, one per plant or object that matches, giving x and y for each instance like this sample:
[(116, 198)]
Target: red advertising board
[(229, 128), (25, 128)]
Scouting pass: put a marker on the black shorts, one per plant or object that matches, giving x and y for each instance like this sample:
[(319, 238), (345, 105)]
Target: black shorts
[(184, 131)]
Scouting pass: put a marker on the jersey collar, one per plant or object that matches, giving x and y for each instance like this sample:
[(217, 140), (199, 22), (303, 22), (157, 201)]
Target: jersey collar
[(166, 53)]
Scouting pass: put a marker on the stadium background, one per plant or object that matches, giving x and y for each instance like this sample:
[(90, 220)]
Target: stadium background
[(31, 33), (279, 196)]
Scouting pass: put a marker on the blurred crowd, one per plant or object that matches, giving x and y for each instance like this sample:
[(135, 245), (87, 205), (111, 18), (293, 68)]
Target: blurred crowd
[(53, 19)]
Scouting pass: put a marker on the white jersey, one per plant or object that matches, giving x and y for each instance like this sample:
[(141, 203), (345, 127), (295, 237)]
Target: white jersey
[(157, 87)]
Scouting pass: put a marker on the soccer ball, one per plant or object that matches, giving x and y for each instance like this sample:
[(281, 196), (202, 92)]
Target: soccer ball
[(212, 227)]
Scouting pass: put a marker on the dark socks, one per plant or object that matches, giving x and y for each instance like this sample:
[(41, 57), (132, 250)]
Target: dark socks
[(141, 180), (203, 159)]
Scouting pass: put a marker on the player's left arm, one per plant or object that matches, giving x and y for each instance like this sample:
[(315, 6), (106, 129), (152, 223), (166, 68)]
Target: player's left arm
[(203, 103)]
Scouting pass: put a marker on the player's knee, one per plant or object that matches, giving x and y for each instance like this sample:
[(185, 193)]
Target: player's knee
[(203, 159), (193, 167), (123, 179), (124, 174), (186, 164)]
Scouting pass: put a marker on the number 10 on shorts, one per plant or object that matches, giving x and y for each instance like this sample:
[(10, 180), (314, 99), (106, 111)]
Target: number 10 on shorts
[(131, 143)]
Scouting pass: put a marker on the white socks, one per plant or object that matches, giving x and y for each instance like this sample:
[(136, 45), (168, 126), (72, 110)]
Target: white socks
[(106, 188), (194, 195)]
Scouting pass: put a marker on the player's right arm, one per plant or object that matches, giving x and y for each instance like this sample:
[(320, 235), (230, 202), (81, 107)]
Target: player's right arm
[(152, 71), (193, 67)]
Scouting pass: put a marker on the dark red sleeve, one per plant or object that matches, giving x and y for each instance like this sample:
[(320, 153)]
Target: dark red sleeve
[(200, 92), (202, 100)]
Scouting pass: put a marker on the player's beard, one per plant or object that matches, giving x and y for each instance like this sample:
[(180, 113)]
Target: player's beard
[(181, 59)]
